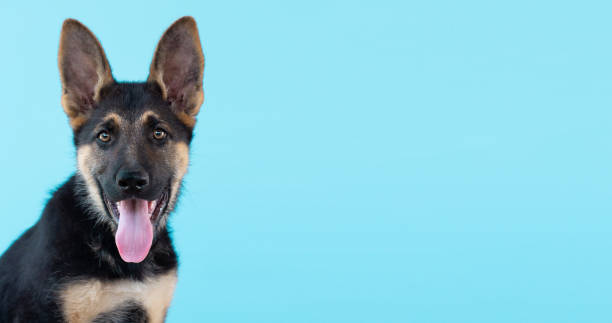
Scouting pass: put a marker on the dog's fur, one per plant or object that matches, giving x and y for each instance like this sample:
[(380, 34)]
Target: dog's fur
[(67, 267)]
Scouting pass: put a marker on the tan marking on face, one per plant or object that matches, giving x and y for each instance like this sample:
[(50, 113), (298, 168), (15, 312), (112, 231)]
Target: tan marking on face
[(83, 300), (181, 162), (85, 163), (146, 115), (115, 117)]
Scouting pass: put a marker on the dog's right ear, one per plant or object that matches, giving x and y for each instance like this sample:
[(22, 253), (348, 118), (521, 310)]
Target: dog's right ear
[(84, 71)]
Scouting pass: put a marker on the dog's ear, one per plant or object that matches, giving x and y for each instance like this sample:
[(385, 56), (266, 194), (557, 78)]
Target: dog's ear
[(178, 67), (84, 71)]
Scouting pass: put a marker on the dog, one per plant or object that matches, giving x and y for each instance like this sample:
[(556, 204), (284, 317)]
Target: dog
[(101, 250)]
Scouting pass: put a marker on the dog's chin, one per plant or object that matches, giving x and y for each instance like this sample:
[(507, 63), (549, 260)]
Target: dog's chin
[(136, 220)]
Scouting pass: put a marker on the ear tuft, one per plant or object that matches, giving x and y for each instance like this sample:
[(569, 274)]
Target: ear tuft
[(178, 68), (84, 71)]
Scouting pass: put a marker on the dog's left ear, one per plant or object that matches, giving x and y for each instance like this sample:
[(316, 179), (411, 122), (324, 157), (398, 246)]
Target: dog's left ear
[(178, 68), (84, 71)]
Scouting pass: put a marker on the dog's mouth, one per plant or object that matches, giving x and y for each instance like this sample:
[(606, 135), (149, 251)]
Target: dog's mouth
[(154, 208), (136, 219)]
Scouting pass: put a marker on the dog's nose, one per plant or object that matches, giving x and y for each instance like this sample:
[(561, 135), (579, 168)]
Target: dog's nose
[(132, 180)]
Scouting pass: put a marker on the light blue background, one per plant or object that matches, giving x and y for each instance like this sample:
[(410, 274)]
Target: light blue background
[(358, 161)]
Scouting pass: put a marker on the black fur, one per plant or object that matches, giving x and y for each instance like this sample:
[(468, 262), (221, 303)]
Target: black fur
[(64, 245)]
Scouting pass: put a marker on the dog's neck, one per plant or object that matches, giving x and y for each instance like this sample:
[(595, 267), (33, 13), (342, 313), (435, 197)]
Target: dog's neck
[(90, 244)]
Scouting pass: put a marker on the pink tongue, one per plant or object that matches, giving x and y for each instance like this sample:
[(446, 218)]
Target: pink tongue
[(135, 233)]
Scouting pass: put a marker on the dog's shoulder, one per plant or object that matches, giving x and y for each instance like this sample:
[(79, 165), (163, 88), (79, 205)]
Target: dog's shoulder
[(25, 295)]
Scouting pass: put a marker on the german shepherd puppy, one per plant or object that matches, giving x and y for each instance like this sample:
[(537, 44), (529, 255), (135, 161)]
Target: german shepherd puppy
[(101, 251)]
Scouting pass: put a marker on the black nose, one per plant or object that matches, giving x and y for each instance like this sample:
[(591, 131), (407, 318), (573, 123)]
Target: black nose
[(132, 179)]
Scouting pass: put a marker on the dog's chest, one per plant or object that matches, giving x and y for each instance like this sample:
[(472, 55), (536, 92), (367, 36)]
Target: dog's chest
[(94, 300)]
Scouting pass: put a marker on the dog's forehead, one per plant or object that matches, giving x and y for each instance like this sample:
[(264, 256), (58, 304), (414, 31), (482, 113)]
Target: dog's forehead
[(133, 117), (132, 104), (123, 120)]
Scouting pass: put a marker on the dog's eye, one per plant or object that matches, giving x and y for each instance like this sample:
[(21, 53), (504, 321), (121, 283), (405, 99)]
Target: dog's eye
[(104, 136), (159, 134)]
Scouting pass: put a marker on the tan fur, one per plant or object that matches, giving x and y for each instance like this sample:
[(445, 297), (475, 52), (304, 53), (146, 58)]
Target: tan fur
[(145, 116), (76, 121), (183, 117), (186, 119), (85, 159), (82, 301), (181, 162), (181, 156), (115, 117)]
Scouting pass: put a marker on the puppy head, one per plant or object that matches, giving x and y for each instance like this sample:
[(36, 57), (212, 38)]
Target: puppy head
[(132, 139)]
